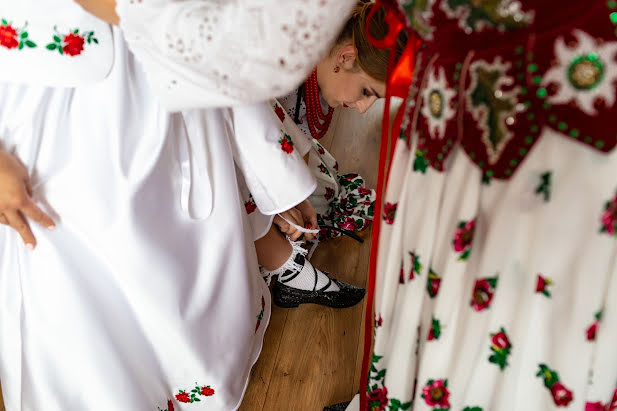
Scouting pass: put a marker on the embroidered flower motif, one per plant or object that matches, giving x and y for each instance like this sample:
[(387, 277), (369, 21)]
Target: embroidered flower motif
[(329, 193), (416, 266), (561, 395), (544, 188), (483, 292), (463, 237), (379, 321), (260, 317), (436, 394), (401, 278), (389, 211), (542, 285), (11, 38), (279, 112), (366, 192), (183, 396), (250, 205), (71, 44), (436, 108), (583, 73), (320, 149), (378, 399), (322, 168), (609, 218), (349, 224), (595, 406), (435, 331), (287, 145), (593, 328), (472, 409), (420, 163), (500, 346), (207, 391), (335, 166), (433, 283)]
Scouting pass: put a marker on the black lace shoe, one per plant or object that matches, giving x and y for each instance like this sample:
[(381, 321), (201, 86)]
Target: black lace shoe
[(289, 297), (341, 406)]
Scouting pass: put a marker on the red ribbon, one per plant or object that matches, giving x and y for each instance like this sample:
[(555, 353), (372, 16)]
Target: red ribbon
[(397, 84)]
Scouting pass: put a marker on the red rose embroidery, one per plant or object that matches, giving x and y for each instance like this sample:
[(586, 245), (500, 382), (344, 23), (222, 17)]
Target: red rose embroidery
[(73, 44), (431, 335), (280, 113), (170, 405), (364, 191), (541, 285), (329, 193), (335, 166), (433, 283), (500, 340), (286, 144), (378, 399), (320, 149), (483, 292), (463, 237), (609, 217), (349, 224), (435, 330), (207, 391), (416, 266), (379, 321), (613, 404), (435, 393), (250, 206), (401, 278), (8, 37), (561, 395), (183, 396), (595, 406), (591, 331), (389, 211)]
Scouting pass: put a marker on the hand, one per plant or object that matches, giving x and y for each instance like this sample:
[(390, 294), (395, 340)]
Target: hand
[(309, 216), (103, 9), (16, 200), (295, 217)]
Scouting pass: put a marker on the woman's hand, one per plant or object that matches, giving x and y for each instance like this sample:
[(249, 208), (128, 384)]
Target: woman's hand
[(309, 216), (103, 9), (303, 215), (16, 200)]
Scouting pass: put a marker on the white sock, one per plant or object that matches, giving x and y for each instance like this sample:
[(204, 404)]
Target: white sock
[(298, 272)]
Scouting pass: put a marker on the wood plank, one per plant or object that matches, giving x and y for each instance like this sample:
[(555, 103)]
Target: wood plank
[(261, 374)]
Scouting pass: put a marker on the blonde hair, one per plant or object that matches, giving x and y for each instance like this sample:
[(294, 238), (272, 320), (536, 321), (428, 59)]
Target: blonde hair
[(371, 60)]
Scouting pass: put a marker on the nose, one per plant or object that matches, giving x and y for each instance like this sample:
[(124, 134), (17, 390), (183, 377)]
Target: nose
[(364, 104)]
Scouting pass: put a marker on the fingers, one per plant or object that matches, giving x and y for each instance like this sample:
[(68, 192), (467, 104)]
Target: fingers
[(19, 224), (33, 211)]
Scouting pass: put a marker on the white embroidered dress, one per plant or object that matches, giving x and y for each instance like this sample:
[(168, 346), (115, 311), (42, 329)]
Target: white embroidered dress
[(147, 295)]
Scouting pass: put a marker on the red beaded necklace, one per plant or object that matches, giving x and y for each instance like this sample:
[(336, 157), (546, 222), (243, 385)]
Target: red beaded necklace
[(318, 122)]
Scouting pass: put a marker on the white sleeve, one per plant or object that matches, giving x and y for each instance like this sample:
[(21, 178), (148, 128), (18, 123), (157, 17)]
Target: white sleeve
[(275, 173), (213, 53)]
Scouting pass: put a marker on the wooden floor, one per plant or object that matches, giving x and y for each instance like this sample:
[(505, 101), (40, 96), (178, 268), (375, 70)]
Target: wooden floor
[(312, 355)]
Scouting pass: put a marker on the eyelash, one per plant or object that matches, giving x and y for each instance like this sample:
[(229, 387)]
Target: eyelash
[(365, 92)]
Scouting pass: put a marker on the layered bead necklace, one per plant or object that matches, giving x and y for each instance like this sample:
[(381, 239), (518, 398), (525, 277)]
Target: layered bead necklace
[(318, 122)]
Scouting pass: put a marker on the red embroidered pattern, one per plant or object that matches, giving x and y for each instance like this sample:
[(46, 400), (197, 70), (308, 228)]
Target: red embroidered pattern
[(11, 38), (71, 44), (287, 145), (189, 396)]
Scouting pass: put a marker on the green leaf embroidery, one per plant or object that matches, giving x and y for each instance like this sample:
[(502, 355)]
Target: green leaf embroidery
[(51, 46)]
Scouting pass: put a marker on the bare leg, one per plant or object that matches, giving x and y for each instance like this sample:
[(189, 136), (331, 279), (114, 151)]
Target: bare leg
[(273, 249)]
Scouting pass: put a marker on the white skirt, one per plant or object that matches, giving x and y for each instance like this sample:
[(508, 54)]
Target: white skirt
[(147, 295)]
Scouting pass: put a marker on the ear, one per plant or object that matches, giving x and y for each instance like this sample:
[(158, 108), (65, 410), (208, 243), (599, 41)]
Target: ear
[(346, 57)]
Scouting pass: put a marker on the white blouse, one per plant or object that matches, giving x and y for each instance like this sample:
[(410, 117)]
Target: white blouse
[(206, 53)]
